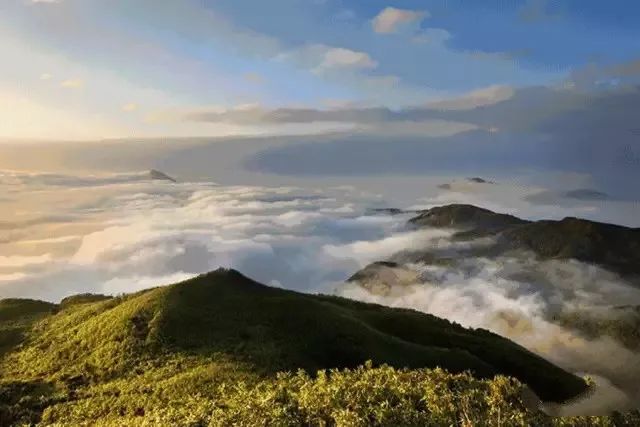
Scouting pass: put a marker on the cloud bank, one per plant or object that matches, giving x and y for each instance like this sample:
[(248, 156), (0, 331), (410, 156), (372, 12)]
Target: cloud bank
[(124, 232)]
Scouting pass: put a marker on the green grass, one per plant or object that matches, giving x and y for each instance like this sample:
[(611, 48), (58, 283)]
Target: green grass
[(176, 352), (81, 299)]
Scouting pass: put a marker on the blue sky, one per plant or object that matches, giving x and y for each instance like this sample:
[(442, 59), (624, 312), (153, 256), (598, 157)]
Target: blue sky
[(87, 69)]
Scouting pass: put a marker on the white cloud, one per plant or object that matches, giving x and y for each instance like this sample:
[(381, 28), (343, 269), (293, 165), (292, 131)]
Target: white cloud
[(390, 20), (338, 57), (320, 58), (147, 233), (366, 252)]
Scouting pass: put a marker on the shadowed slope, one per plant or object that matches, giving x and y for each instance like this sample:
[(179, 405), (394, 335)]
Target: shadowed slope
[(613, 247)]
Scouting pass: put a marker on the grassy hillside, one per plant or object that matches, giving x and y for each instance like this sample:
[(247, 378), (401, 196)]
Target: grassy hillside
[(16, 317), (177, 352)]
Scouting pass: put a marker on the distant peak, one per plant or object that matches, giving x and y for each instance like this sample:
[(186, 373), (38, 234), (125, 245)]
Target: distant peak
[(224, 275), (156, 174), (226, 271), (465, 216), (479, 180)]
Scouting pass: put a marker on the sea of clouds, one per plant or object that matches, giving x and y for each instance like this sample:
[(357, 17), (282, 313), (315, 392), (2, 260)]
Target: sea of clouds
[(121, 233), (116, 233)]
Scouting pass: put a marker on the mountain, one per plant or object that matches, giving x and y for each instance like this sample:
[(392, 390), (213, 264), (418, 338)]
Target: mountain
[(16, 316), (96, 357), (465, 217), (161, 176), (613, 247)]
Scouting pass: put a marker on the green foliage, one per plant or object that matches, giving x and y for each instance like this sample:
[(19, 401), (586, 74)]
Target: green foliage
[(82, 299), (16, 317), (364, 396), (208, 351)]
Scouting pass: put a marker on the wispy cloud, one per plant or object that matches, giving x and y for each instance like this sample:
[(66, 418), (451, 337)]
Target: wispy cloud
[(338, 57), (390, 20), (323, 59), (254, 114)]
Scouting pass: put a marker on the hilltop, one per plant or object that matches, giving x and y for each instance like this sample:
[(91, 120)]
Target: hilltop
[(102, 357)]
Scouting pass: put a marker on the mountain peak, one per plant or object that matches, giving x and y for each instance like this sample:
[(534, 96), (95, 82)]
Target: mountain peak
[(161, 176), (224, 315), (613, 247), (465, 216)]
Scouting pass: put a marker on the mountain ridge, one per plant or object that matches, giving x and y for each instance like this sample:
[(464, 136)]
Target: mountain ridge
[(223, 315), (613, 247)]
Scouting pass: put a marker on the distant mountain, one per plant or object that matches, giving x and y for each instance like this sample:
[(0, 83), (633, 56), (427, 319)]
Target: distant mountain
[(613, 247), (98, 353), (466, 183), (387, 211), (467, 218), (479, 180), (161, 176)]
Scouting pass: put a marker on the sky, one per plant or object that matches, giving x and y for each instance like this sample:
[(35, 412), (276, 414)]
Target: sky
[(94, 69)]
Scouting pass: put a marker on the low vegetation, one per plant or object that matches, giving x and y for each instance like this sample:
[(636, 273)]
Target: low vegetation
[(222, 350)]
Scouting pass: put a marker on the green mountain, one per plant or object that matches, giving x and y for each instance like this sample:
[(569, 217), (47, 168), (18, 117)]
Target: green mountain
[(96, 358)]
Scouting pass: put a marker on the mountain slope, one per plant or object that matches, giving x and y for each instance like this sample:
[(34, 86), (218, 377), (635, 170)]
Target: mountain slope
[(466, 217), (16, 317), (223, 326), (613, 247)]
